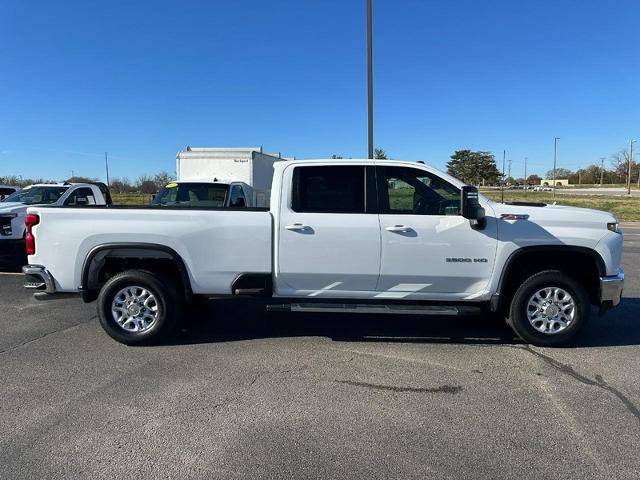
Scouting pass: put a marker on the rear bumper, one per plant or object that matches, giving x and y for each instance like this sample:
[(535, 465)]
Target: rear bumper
[(611, 289), (38, 278)]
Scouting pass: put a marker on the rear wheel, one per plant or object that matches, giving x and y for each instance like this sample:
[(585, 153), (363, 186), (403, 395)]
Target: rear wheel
[(138, 307), (549, 309)]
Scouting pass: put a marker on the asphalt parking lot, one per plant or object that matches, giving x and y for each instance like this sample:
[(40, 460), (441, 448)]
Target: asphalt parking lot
[(246, 394)]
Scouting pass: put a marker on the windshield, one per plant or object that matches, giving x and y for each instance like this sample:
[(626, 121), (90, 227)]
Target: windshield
[(192, 194), (33, 195)]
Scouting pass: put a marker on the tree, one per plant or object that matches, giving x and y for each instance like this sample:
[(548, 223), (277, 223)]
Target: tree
[(560, 173), (473, 167), (145, 184), (534, 179), (335, 157), (620, 163), (121, 185), (379, 154), (161, 179)]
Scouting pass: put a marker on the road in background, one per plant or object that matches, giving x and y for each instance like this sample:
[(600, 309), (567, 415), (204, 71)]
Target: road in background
[(604, 191), (244, 393)]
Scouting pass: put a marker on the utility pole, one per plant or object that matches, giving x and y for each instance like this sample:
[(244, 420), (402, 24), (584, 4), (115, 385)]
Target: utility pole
[(106, 166), (504, 156), (555, 157), (509, 175), (601, 170), (369, 79), (526, 184), (629, 167)]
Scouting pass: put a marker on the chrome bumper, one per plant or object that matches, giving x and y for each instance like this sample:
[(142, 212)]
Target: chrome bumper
[(38, 278), (611, 289)]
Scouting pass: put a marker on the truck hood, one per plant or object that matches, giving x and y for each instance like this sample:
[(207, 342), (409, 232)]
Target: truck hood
[(551, 224), (555, 214)]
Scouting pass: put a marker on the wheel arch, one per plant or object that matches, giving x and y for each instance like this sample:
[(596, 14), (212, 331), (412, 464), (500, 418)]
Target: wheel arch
[(142, 253), (526, 261)]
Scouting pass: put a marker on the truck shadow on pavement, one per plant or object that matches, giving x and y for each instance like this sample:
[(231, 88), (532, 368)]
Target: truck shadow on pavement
[(237, 320)]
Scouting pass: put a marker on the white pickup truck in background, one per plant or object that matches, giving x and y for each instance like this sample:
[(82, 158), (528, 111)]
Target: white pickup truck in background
[(364, 236), (14, 207), (207, 193)]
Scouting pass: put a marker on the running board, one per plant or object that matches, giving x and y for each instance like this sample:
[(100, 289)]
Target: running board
[(394, 309)]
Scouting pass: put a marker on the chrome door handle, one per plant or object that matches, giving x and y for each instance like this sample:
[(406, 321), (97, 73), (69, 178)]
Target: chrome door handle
[(296, 227), (398, 229)]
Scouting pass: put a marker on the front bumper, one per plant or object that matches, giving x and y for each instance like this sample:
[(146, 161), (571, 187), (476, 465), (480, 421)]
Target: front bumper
[(611, 289)]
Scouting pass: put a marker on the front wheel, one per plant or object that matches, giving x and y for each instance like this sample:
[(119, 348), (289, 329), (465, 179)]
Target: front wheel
[(549, 309), (137, 307)]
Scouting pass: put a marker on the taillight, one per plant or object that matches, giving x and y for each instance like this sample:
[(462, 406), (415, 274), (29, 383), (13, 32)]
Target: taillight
[(30, 219)]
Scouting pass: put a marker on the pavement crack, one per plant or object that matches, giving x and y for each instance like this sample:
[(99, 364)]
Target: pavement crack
[(598, 382), (450, 389), (44, 335)]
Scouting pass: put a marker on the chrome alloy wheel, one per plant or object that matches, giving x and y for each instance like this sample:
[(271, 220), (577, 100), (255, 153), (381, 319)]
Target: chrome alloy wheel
[(551, 310), (135, 309)]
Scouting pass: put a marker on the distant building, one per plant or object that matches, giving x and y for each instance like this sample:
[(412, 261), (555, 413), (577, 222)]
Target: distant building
[(560, 182)]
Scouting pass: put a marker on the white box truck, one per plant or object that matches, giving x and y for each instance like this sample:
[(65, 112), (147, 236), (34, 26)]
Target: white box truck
[(241, 165)]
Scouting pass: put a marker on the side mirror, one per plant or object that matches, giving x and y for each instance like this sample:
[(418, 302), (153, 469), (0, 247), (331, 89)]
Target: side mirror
[(471, 208)]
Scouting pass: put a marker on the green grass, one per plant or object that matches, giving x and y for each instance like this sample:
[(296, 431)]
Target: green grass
[(625, 209), (130, 198)]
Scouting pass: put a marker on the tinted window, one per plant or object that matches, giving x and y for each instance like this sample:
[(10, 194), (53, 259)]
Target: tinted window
[(6, 191), (413, 191), (33, 195), (80, 196), (192, 194), (236, 197), (335, 189)]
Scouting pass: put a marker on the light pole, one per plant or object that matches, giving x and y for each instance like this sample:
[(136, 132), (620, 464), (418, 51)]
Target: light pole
[(601, 170), (106, 166), (526, 184), (555, 157), (629, 167), (369, 80)]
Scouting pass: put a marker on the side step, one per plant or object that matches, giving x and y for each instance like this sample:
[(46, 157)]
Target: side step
[(393, 309)]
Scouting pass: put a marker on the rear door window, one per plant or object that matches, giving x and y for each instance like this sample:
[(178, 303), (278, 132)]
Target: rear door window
[(334, 189)]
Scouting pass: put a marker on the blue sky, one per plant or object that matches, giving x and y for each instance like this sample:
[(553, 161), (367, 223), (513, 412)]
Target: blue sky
[(142, 80)]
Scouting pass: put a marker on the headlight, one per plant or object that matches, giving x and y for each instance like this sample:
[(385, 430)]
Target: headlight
[(613, 227)]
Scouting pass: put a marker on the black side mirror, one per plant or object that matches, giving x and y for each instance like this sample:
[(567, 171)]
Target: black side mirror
[(471, 208)]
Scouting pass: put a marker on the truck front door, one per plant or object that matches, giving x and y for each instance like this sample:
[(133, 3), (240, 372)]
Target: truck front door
[(328, 238), (428, 248)]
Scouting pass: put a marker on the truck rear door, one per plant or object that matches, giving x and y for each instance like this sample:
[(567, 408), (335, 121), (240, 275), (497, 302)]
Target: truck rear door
[(328, 242)]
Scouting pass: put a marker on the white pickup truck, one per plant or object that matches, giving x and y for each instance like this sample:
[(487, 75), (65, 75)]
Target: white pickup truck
[(363, 236), (13, 208), (207, 193)]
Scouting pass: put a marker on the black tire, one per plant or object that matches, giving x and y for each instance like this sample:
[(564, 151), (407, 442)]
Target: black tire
[(166, 297), (518, 319)]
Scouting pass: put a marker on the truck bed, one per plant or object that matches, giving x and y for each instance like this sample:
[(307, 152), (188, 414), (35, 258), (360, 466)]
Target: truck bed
[(214, 244)]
